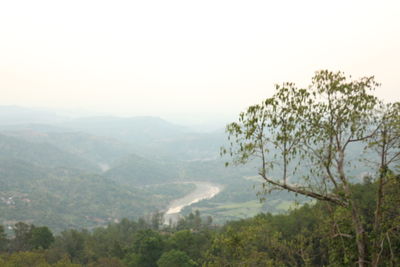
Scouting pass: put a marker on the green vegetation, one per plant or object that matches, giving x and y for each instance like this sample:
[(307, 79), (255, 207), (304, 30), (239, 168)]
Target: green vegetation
[(238, 200), (135, 170), (328, 158), (42, 154), (61, 178), (312, 235), (63, 198), (320, 127)]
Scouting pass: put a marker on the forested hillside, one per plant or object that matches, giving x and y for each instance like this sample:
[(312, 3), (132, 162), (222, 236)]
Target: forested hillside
[(313, 173), (64, 177), (42, 154), (302, 237), (63, 198)]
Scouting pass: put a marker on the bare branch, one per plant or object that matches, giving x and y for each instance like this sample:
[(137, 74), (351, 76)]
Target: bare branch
[(302, 191)]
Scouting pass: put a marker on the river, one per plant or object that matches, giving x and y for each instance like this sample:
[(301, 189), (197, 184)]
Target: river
[(204, 190)]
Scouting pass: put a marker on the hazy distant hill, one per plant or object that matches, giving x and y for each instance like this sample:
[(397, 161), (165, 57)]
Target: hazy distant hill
[(191, 146), (48, 171), (136, 170), (134, 129), (15, 174), (32, 127), (151, 137), (62, 198), (101, 151), (42, 154), (81, 172)]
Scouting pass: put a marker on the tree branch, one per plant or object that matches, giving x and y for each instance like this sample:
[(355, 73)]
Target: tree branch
[(305, 192)]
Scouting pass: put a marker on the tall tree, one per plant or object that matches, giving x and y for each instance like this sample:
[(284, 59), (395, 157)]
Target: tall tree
[(41, 237), (387, 214), (175, 258), (23, 234), (305, 138)]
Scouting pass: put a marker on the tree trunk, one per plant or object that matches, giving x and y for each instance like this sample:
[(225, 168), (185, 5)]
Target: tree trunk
[(378, 218), (360, 236), (355, 217)]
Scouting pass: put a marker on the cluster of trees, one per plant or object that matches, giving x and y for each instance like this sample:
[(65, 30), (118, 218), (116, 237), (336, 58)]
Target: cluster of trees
[(128, 243), (319, 234), (321, 127), (26, 237), (313, 235)]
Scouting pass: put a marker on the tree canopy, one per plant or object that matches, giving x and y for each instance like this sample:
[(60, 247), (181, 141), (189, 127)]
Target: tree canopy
[(309, 141)]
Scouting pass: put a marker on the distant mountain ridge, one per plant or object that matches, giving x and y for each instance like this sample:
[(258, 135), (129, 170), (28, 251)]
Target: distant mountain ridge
[(97, 150), (133, 129), (85, 172), (42, 154)]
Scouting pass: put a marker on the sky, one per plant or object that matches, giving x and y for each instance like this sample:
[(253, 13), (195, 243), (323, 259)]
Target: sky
[(187, 59)]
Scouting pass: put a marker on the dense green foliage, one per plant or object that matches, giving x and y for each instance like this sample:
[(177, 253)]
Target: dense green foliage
[(312, 235), (321, 127)]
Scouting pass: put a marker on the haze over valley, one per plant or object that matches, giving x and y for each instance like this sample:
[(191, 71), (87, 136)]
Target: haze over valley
[(87, 172), (199, 133)]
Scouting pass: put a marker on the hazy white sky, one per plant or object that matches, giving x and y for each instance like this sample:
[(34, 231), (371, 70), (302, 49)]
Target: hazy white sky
[(187, 57)]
